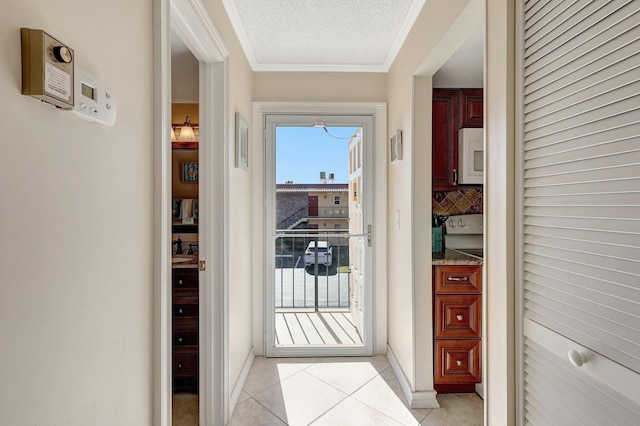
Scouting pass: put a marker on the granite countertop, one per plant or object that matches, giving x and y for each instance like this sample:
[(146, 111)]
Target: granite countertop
[(454, 257)]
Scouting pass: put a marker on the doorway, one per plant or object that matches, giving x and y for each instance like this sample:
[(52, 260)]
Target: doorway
[(319, 289), (185, 229), (188, 23)]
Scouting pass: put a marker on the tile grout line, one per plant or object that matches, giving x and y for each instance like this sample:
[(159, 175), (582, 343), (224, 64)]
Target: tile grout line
[(356, 399)]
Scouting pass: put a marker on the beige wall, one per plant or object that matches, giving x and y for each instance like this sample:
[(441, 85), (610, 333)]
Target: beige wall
[(408, 187), (240, 206), (76, 226), (319, 87), (326, 199), (180, 110)]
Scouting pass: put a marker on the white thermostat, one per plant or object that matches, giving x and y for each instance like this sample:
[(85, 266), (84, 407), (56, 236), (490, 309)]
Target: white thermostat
[(94, 100)]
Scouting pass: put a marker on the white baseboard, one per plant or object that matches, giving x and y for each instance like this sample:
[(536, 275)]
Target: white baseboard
[(235, 394), (416, 399)]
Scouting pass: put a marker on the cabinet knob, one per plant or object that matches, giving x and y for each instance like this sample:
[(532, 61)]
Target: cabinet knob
[(459, 363), (179, 365), (180, 311), (576, 358), (459, 317), (179, 282), (179, 339)]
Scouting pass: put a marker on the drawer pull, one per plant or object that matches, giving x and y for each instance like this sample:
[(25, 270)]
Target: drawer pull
[(459, 317), (576, 358), (458, 279), (459, 363)]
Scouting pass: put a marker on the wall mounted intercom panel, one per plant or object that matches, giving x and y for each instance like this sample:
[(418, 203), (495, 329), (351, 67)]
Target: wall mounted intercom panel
[(47, 68)]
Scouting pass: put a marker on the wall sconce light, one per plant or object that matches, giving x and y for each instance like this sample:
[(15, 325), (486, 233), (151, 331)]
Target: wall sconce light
[(186, 132)]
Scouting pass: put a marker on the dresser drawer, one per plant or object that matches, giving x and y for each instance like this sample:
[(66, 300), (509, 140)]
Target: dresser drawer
[(185, 310), (181, 339), (185, 278), (458, 316), (457, 279), (457, 361), (185, 363)]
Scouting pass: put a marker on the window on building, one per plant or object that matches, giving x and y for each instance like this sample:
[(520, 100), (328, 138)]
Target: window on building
[(336, 200)]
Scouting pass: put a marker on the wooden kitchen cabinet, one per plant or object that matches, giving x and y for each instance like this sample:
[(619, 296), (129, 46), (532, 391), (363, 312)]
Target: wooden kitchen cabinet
[(470, 108), (457, 322), (452, 109), (185, 330), (445, 140)]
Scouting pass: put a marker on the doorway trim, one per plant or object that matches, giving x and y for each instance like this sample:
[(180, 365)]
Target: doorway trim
[(366, 123), (379, 232), (190, 20)]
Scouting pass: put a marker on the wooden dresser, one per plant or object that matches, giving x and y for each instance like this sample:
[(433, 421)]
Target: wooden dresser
[(457, 327), (185, 330)]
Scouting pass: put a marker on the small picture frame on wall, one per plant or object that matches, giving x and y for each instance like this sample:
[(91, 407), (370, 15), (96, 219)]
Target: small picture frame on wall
[(189, 172), (242, 143), (396, 147)]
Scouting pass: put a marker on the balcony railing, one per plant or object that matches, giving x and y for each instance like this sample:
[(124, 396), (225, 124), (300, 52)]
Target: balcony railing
[(299, 284), (333, 212)]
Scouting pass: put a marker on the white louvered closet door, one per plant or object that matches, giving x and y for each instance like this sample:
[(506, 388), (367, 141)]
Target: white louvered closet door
[(580, 271)]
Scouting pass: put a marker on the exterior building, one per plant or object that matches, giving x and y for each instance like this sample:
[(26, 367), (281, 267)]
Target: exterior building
[(312, 206)]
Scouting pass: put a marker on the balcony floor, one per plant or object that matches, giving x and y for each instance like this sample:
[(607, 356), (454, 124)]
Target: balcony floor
[(299, 327)]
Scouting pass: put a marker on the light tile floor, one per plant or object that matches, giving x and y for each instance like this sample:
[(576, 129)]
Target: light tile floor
[(340, 391)]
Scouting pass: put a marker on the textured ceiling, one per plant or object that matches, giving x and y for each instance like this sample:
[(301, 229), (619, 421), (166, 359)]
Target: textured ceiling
[(322, 35), (463, 69)]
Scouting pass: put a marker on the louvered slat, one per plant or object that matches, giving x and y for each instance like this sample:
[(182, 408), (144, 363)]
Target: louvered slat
[(588, 38), (555, 383)]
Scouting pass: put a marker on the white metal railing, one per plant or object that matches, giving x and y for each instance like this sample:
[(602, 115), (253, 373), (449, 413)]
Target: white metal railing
[(333, 212), (308, 283)]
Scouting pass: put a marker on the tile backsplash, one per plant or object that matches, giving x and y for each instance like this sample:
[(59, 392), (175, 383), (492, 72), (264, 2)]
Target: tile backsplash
[(462, 201)]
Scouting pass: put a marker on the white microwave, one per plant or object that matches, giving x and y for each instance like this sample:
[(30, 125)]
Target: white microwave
[(470, 156)]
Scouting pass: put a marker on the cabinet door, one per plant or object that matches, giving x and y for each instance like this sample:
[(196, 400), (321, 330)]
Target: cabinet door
[(457, 279), (445, 140), (458, 316), (470, 108), (457, 361)]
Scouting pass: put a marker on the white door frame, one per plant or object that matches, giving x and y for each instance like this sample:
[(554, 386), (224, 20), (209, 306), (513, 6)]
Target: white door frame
[(274, 120), (379, 232), (190, 20)]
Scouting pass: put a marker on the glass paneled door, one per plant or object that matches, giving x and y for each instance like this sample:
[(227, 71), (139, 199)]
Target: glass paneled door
[(318, 241)]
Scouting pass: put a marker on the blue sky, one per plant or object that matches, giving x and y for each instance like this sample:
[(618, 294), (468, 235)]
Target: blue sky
[(303, 152)]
